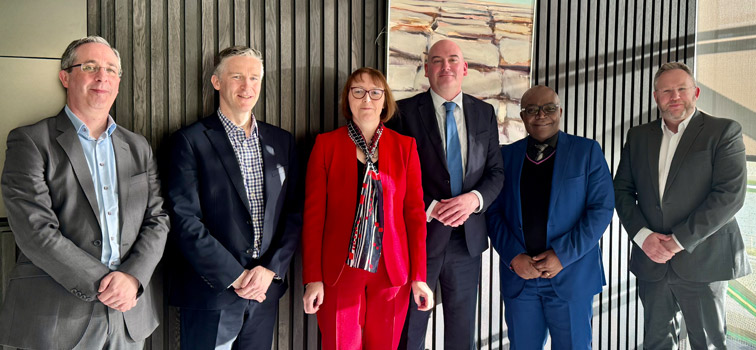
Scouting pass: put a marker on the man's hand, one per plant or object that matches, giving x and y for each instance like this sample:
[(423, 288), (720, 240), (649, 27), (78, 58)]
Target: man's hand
[(118, 291), (671, 245), (255, 283), (455, 211), (655, 249), (313, 297), (548, 264), (423, 295), (524, 266)]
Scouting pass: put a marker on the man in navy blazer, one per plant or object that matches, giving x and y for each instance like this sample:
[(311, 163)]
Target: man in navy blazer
[(235, 213), (556, 203), (455, 195)]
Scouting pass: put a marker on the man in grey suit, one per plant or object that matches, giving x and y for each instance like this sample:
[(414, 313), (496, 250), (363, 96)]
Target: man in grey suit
[(84, 204), (680, 182)]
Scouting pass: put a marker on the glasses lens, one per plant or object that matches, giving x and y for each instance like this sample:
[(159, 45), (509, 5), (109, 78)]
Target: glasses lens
[(376, 94), (550, 108), (358, 92), (89, 68), (532, 110)]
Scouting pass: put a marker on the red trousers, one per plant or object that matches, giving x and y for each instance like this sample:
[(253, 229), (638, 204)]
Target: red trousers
[(363, 311)]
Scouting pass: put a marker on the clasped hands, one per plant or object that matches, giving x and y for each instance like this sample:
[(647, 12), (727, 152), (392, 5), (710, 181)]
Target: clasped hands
[(660, 248), (118, 291), (544, 265), (455, 211), (253, 284)]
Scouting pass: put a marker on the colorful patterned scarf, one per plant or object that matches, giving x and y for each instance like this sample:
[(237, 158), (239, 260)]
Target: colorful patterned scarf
[(367, 231)]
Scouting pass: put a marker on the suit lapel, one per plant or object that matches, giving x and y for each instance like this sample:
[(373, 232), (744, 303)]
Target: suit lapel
[(222, 145), (273, 179), (69, 141), (563, 149), (686, 141), (654, 146), (123, 168), (471, 125), (428, 119), (518, 158)]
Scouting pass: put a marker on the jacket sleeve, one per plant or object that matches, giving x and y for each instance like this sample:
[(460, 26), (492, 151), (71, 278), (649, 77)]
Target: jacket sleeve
[(208, 257), (289, 226), (414, 217), (626, 192), (597, 212), (35, 224), (502, 237), (492, 181), (316, 184)]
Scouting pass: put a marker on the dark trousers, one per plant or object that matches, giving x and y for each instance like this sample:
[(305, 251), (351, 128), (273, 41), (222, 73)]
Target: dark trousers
[(246, 324), (458, 274), (702, 306)]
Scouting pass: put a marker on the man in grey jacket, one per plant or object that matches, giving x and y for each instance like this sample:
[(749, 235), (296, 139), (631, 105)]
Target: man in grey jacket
[(84, 204)]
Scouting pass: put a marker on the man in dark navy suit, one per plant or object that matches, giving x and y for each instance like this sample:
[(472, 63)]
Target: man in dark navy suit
[(457, 141), (236, 217)]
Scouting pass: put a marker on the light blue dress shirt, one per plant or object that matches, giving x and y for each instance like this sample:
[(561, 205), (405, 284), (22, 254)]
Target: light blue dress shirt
[(102, 167)]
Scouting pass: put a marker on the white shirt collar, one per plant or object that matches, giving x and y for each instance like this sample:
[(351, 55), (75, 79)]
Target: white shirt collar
[(438, 101)]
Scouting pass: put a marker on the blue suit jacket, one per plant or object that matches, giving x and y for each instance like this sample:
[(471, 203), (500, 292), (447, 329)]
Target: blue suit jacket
[(580, 208), (211, 221)]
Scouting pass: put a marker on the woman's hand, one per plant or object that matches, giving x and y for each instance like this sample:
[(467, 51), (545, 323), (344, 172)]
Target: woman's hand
[(313, 297), (423, 295)]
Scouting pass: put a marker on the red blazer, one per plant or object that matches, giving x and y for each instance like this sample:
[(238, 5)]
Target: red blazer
[(331, 202)]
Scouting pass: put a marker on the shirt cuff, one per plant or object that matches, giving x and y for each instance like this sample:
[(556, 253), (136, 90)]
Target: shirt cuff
[(428, 211), (677, 242), (641, 236), (480, 201)]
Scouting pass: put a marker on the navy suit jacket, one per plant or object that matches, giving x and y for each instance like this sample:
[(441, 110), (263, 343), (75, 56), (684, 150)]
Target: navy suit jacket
[(212, 225), (484, 172), (580, 208)]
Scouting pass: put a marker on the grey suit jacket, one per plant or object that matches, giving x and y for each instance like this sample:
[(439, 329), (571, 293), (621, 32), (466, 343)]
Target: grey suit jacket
[(704, 190), (52, 210)]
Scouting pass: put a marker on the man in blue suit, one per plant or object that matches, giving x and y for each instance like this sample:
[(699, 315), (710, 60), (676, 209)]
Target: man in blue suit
[(556, 203), (235, 213)]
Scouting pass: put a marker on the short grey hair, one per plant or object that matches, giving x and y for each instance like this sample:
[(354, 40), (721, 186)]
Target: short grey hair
[(69, 56), (233, 51), (672, 66)]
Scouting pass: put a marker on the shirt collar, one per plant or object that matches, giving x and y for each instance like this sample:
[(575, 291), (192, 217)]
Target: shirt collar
[(82, 128), (681, 127), (438, 101), (233, 130)]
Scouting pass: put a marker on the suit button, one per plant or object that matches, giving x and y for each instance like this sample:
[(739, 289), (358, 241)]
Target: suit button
[(658, 207), (250, 251), (249, 222), (97, 243)]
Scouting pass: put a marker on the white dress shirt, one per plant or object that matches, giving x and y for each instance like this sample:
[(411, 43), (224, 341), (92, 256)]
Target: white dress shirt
[(669, 143), (459, 118)]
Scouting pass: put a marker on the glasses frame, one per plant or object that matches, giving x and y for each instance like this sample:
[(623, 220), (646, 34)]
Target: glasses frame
[(540, 109), (97, 69), (367, 92)]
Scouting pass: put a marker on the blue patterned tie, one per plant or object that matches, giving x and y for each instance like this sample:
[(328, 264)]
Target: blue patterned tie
[(453, 150)]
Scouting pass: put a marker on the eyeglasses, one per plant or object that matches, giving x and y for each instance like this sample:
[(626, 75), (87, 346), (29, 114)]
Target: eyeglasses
[(547, 109), (92, 68), (358, 92)]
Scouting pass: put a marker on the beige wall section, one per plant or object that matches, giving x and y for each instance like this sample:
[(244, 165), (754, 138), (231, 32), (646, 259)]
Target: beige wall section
[(40, 28), (35, 33)]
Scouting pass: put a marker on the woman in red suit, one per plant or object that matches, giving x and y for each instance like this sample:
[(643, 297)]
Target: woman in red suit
[(364, 223)]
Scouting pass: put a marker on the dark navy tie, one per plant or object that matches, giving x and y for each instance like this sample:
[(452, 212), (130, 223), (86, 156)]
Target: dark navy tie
[(453, 150)]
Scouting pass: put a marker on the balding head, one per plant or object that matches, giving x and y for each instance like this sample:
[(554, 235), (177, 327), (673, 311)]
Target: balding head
[(445, 68)]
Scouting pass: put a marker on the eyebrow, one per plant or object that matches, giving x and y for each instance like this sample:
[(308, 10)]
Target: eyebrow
[(450, 56)]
